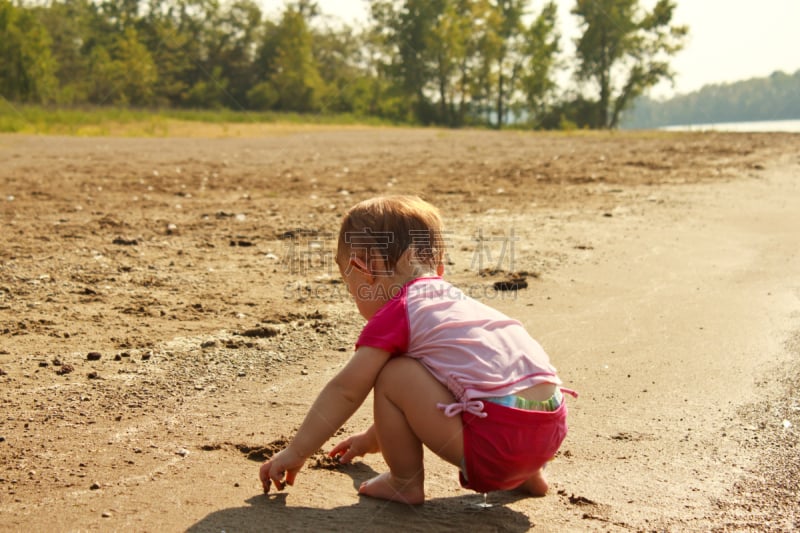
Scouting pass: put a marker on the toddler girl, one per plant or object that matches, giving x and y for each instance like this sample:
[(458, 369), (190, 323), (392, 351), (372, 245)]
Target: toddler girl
[(448, 372)]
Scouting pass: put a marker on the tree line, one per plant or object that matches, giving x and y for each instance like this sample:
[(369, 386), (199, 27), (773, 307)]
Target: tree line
[(443, 62), (775, 97)]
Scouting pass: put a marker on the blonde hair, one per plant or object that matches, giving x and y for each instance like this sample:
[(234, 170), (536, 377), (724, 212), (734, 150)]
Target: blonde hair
[(384, 228)]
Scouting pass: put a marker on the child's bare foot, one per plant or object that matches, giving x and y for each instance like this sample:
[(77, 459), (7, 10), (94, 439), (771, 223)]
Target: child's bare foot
[(387, 487), (536, 484)]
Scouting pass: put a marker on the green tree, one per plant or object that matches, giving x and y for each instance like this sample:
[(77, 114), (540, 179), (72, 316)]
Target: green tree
[(377, 92), (287, 64), (103, 50), (477, 69), (69, 24), (208, 93), (231, 37), (337, 52), (189, 48), (166, 30), (517, 60), (456, 60), (503, 53), (120, 14), (101, 88), (624, 51), (126, 74), (27, 68), (453, 47), (477, 73), (406, 27), (137, 73), (540, 49), (432, 53)]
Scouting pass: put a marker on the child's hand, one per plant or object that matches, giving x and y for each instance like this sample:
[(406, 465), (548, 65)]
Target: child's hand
[(284, 463), (356, 446)]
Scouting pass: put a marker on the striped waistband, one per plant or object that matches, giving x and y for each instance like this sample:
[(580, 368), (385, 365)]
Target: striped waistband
[(518, 402)]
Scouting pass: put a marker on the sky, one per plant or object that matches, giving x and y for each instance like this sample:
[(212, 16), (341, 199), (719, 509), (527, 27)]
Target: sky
[(729, 40)]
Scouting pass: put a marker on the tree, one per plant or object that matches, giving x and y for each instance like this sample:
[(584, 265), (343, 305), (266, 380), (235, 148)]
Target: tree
[(286, 60), (102, 76), (516, 61), (137, 73), (120, 14), (379, 92), (478, 53), (339, 53), (540, 49), (456, 59), (27, 68), (208, 93), (503, 50), (624, 52), (231, 39), (449, 43), (471, 71), (124, 75), (186, 39), (166, 30), (69, 24), (406, 27), (437, 54)]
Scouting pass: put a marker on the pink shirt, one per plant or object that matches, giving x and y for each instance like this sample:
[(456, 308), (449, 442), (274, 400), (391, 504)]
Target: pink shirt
[(473, 349)]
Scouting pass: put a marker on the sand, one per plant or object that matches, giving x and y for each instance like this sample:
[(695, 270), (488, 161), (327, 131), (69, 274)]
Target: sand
[(169, 309)]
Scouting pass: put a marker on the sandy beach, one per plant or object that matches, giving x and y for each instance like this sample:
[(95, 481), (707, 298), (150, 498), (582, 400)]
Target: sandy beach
[(169, 309)]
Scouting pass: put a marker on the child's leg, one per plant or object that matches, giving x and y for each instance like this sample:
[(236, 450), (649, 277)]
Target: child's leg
[(406, 417)]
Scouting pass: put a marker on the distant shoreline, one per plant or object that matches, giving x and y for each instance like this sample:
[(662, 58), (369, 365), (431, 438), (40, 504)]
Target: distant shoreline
[(792, 125)]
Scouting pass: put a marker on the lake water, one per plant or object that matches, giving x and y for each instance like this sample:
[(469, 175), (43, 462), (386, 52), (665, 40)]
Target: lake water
[(755, 126)]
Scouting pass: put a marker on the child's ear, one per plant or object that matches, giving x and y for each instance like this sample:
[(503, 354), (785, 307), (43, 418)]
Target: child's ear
[(440, 269), (356, 263)]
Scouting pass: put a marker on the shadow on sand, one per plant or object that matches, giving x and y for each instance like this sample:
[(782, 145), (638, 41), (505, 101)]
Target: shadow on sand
[(459, 513)]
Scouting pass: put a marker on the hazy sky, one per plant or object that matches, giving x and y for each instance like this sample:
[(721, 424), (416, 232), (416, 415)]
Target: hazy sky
[(729, 40)]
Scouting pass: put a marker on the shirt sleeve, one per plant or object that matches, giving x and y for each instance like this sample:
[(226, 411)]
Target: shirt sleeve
[(388, 328)]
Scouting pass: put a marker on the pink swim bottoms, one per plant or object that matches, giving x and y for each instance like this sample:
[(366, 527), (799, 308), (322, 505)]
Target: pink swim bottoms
[(507, 446)]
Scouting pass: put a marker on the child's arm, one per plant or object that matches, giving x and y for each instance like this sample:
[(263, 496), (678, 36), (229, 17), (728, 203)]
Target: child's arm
[(356, 446), (335, 404)]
